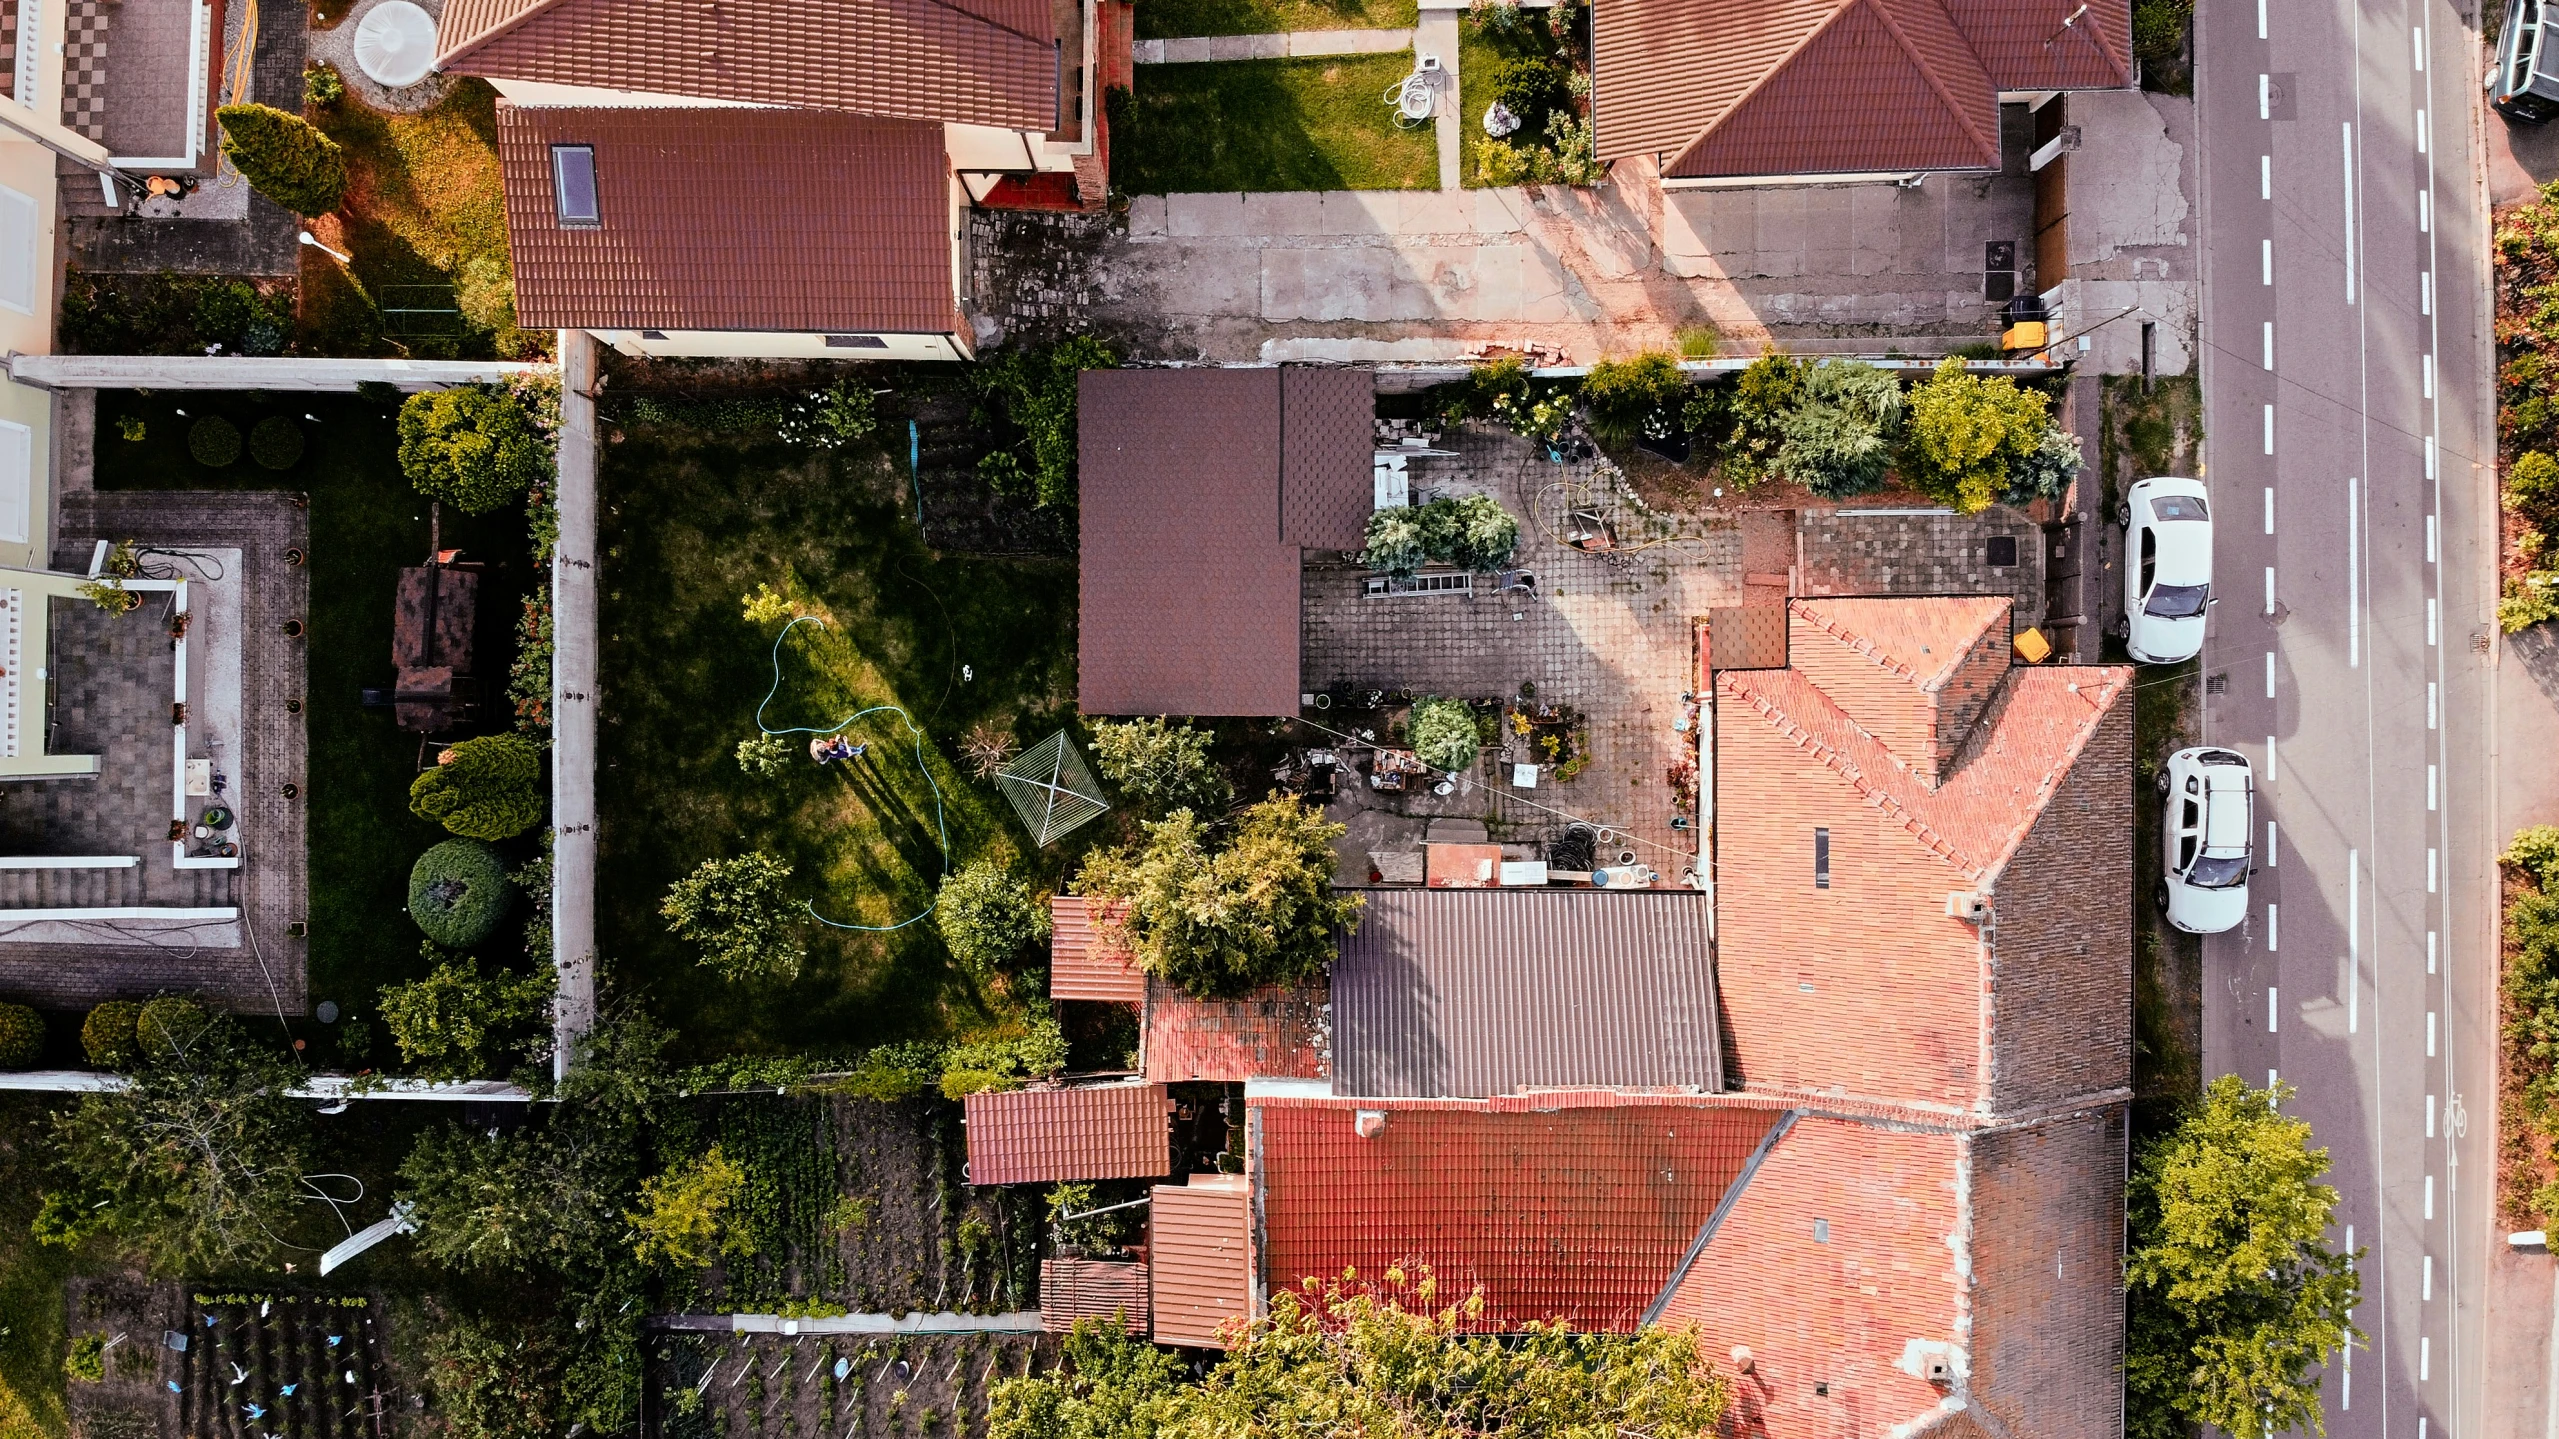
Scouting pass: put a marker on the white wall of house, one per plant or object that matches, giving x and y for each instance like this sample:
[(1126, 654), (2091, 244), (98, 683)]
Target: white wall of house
[(26, 467), (780, 345), (543, 93), (27, 203)]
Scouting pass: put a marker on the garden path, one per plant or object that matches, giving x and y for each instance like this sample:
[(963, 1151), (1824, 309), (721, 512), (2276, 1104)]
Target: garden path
[(1284, 45)]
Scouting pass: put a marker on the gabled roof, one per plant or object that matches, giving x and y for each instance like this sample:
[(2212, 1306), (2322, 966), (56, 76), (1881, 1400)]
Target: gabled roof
[(1269, 1033), (1199, 1238), (851, 227), (981, 62), (2025, 46), (1579, 1210), (1477, 992), (1098, 1131), (1912, 672), (1083, 963)]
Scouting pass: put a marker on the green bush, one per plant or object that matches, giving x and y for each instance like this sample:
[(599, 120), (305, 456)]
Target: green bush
[(1837, 438), (741, 912), (1968, 434), (1004, 1058), (1035, 392), (87, 1360), (214, 441), (1260, 910), (1531, 87), (276, 443), (987, 916), (476, 448), (894, 1072), (2535, 850), (2043, 472), (485, 788), (109, 1035), (1443, 734), (1160, 765), (284, 158), (1622, 395), (1472, 532), (766, 756), (169, 1024), (21, 1037), (458, 892), (448, 1024), (322, 85), (1395, 542), (2532, 490)]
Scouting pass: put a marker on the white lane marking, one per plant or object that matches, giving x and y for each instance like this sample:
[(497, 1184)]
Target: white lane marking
[(2261, 19), (2270, 937), (2426, 293), (2270, 509), (2354, 938), (2429, 372), (2430, 1116), (2270, 347), (2430, 789), (2270, 674), (2430, 539), (2273, 855), (2421, 130), (2271, 1078), (2425, 1344), (2429, 1295), (2354, 578), (2430, 869), (2348, 129), (2265, 177), (2431, 630), (2270, 429), (2430, 951), (2430, 1196), (2430, 704), (2266, 260), (2430, 457), (2424, 204), (2270, 589), (2430, 1034), (2265, 97), (2270, 759), (2416, 40), (2272, 1019)]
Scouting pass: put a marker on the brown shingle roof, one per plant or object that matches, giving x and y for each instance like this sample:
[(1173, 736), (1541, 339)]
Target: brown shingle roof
[(1082, 964), (2025, 46), (1200, 1258), (1072, 1289), (1328, 444), (981, 62), (758, 220), (1477, 992), (1039, 1136)]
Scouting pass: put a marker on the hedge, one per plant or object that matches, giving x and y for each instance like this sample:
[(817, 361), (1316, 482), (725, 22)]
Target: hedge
[(169, 1022), (458, 892), (284, 157), (21, 1037), (276, 443), (108, 1035)]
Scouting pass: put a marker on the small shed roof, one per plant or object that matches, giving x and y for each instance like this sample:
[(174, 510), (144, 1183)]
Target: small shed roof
[(1082, 964), (1266, 1033), (1040, 1136), (1072, 1289), (1200, 1253)]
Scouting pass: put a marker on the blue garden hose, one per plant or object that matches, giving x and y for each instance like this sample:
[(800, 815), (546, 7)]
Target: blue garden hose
[(941, 828)]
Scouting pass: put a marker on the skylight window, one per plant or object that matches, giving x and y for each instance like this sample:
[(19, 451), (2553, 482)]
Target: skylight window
[(573, 184)]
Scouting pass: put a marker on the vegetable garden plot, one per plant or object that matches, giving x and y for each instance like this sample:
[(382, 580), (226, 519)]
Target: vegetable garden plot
[(833, 1386)]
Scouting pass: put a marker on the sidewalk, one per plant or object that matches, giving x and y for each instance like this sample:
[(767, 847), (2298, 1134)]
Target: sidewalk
[(1290, 44)]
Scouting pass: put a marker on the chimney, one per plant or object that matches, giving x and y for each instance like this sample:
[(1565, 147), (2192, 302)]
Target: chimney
[(1369, 1123)]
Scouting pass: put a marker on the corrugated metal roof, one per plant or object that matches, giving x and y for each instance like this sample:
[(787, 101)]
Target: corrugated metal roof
[(1072, 1289), (981, 62), (851, 229), (1200, 1259), (1081, 965), (1189, 594), (1328, 445), (1268, 1033), (1477, 992), (1098, 1131), (1577, 1213)]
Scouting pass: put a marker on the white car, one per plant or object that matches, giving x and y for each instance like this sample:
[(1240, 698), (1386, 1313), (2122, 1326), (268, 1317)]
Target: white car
[(2207, 826), (2167, 570)]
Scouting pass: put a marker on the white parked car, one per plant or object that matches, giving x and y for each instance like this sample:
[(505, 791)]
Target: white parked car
[(2207, 824), (2167, 570)]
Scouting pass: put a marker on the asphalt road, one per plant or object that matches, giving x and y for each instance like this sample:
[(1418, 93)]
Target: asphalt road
[(2346, 378)]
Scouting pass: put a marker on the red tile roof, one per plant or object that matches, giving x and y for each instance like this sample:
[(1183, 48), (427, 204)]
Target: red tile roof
[(1264, 1034), (1200, 1246), (981, 62), (1072, 1289), (1793, 87), (1581, 1213), (1040, 1136), (1082, 964), (1914, 673), (851, 222)]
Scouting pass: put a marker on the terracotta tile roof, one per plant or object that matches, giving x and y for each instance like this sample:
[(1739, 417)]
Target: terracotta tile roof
[(1913, 672), (1264, 1034), (2031, 733), (1199, 1245), (1474, 992), (1081, 965), (1189, 595), (1072, 1289), (981, 62), (1920, 639), (1328, 441), (1664, 70), (2024, 45), (1098, 1131), (1581, 1213), (851, 232)]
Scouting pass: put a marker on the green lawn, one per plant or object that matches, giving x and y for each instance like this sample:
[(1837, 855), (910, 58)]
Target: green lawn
[(32, 1401), (1480, 51), (693, 524), (1319, 124), (1171, 19), (366, 522)]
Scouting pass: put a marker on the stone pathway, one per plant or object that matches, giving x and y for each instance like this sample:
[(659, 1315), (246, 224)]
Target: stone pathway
[(1437, 35), (1287, 45)]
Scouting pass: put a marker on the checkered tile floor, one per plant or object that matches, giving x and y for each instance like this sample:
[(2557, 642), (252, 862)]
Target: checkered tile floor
[(9, 46), (84, 69)]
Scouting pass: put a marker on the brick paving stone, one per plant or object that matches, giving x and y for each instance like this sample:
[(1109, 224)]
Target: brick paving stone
[(1849, 552)]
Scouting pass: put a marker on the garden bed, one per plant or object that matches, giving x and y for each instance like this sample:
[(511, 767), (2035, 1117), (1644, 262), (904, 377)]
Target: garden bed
[(750, 1386), (1315, 124)]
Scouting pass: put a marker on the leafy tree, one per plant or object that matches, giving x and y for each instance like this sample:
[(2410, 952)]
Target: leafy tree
[(485, 788), (1837, 439), (2235, 1295), (683, 1214), (448, 1024), (2045, 470), (1622, 394), (767, 756), (1259, 910), (192, 1164), (1037, 390), (476, 447), (1340, 1358), (1968, 434), (284, 158), (1443, 734), (987, 916), (1160, 765), (458, 891), (741, 912)]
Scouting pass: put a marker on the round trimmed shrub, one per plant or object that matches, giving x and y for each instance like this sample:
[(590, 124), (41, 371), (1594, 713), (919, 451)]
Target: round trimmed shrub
[(1443, 734), (167, 1023), (458, 891), (214, 441), (276, 443), (21, 1037), (108, 1035)]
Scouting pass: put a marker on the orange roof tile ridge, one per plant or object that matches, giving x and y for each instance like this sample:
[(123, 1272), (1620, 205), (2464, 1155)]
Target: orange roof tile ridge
[(1766, 77), (1928, 72), (504, 26), (1715, 1219), (1847, 768), (1829, 623), (2109, 690)]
